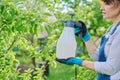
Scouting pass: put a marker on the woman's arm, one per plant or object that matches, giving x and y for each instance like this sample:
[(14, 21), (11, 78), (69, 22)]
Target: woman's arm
[(112, 65), (90, 46), (88, 64)]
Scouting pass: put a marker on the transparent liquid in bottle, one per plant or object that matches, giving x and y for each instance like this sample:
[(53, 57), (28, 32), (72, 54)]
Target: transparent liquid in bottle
[(66, 44)]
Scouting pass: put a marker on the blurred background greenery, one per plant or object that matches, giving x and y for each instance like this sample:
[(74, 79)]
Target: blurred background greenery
[(29, 30)]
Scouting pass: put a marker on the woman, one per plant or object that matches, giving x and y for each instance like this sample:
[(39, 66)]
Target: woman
[(107, 56)]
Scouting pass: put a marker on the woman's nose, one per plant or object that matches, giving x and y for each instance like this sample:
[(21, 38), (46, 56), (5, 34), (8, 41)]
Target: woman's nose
[(102, 8)]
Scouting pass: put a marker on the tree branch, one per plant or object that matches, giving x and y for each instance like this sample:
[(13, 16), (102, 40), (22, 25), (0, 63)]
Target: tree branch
[(11, 45)]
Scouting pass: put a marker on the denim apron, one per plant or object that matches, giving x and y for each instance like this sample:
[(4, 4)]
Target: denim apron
[(102, 57)]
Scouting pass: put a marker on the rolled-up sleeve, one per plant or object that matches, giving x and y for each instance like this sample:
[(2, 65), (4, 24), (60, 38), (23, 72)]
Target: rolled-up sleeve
[(112, 65)]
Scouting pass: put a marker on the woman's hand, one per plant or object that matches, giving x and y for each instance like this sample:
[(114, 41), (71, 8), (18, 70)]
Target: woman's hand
[(70, 61), (81, 31)]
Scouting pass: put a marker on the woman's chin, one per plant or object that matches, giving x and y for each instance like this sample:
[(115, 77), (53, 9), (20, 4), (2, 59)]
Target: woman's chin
[(105, 17)]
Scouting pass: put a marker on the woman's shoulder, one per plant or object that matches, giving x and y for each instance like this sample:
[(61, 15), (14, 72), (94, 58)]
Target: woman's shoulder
[(117, 33), (118, 29)]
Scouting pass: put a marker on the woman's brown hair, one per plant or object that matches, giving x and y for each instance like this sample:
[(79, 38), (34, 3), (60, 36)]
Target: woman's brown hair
[(115, 2)]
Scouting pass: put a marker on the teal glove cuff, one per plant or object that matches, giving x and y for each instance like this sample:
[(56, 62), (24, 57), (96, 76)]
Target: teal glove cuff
[(86, 37), (76, 30), (71, 61)]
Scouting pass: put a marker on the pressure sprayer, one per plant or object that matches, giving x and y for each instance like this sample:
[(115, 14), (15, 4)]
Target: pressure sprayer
[(66, 44)]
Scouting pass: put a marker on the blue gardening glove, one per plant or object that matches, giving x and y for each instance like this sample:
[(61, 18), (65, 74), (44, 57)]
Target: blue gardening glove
[(69, 23), (71, 61), (81, 31)]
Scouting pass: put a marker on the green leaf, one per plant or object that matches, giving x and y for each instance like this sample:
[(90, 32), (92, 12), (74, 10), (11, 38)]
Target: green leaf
[(47, 14)]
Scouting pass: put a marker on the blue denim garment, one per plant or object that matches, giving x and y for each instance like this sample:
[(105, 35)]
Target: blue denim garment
[(102, 57)]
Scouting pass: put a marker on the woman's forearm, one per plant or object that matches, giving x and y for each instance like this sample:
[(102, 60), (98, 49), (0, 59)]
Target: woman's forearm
[(88, 64), (90, 46)]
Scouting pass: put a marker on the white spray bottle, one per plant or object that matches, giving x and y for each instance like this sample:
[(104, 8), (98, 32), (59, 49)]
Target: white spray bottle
[(66, 44)]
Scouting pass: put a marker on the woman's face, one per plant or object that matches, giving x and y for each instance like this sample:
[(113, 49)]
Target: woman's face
[(110, 11)]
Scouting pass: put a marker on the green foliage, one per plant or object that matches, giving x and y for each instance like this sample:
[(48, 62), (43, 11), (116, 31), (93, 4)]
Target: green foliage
[(22, 21), (14, 25)]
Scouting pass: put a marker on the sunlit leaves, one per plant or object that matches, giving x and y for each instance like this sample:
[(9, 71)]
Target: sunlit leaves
[(22, 20)]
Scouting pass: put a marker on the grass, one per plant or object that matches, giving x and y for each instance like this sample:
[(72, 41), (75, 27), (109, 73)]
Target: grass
[(61, 72)]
